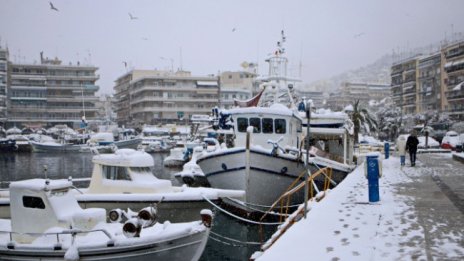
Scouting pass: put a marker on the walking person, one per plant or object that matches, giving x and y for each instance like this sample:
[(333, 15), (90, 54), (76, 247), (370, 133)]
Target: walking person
[(411, 146), (401, 148)]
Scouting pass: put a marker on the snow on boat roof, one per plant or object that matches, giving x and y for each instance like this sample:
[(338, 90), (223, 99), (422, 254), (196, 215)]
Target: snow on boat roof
[(40, 184), (277, 109), (335, 131), (125, 158)]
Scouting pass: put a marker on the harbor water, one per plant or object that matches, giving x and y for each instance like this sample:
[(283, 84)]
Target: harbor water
[(230, 239)]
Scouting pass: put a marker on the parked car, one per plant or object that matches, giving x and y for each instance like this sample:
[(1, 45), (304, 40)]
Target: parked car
[(451, 141)]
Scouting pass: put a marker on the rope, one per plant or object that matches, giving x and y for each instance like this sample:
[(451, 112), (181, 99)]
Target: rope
[(258, 210), (255, 205), (235, 240), (240, 218)]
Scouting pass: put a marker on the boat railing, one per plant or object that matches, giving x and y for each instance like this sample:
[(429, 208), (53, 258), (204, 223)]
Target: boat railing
[(57, 246), (285, 199)]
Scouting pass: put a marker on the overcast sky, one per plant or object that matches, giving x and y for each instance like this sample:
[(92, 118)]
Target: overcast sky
[(327, 36)]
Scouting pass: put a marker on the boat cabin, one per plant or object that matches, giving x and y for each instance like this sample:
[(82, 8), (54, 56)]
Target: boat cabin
[(269, 123), (38, 205), (126, 171)]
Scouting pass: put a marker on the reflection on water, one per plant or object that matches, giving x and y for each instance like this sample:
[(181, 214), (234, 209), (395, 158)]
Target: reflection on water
[(79, 165)]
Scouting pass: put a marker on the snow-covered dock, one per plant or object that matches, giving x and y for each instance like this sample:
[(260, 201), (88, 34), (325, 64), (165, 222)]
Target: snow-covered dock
[(420, 216)]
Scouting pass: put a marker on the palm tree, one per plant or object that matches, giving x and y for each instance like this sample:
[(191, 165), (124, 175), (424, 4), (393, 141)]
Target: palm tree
[(362, 118)]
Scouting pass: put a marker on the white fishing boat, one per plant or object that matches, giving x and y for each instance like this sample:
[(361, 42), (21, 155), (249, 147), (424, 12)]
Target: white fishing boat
[(274, 156), (48, 224)]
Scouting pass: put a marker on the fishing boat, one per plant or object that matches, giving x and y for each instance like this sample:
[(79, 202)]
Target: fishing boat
[(48, 224), (269, 153)]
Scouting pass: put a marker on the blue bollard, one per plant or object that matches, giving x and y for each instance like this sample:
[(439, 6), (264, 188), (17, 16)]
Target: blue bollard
[(373, 174), (386, 148)]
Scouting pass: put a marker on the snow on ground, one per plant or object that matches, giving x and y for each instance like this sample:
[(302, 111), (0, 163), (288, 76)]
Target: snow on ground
[(344, 226)]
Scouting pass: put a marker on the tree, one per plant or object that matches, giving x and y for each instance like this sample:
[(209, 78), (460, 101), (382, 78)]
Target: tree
[(362, 120)]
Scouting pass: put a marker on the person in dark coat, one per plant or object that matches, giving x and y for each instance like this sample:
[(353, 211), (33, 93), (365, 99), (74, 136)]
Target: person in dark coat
[(411, 147)]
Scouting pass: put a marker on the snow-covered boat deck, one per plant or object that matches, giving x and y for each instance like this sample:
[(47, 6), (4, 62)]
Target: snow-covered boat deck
[(420, 216)]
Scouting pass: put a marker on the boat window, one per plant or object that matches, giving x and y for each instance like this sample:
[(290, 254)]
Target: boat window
[(115, 173), (140, 169), (256, 123), (268, 125), (242, 124), (33, 202), (280, 126)]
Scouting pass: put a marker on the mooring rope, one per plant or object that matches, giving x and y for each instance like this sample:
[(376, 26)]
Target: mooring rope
[(235, 240), (240, 218), (255, 205), (258, 210)]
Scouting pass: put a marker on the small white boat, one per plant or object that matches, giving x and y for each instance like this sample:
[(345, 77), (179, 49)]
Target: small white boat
[(48, 224), (124, 179)]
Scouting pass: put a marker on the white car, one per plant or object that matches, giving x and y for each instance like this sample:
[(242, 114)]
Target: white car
[(451, 140)]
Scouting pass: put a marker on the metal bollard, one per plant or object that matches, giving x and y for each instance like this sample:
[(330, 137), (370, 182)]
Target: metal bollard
[(386, 148), (373, 173)]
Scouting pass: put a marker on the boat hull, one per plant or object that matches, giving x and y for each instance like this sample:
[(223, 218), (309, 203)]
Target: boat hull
[(41, 147), (269, 176), (187, 247), (174, 211)]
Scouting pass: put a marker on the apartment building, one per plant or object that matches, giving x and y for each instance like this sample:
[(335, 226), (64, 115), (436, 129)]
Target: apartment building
[(235, 85), (350, 92), (152, 97), (404, 90), (453, 80), (50, 93), (3, 84), (431, 83)]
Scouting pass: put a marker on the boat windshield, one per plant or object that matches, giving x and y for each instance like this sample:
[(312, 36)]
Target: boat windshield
[(115, 173)]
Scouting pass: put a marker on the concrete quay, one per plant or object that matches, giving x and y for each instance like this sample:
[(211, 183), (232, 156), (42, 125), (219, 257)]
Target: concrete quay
[(420, 216)]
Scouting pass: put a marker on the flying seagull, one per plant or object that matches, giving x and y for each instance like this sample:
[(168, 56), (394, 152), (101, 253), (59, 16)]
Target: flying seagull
[(358, 35), (233, 29), (132, 17), (53, 7)]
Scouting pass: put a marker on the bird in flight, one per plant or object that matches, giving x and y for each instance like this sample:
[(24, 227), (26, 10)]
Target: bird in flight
[(53, 7), (358, 35), (233, 29), (125, 64), (132, 17)]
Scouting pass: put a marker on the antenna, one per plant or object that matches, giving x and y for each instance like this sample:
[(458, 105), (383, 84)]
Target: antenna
[(180, 53), (301, 63)]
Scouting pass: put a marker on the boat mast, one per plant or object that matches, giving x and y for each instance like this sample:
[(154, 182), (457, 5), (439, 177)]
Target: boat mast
[(277, 76)]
